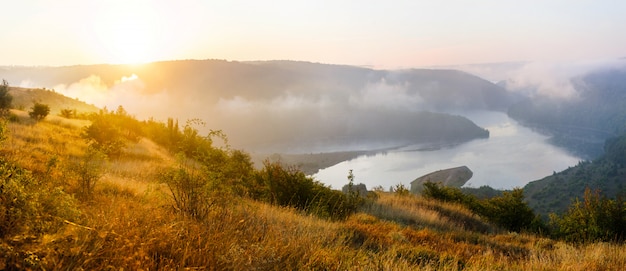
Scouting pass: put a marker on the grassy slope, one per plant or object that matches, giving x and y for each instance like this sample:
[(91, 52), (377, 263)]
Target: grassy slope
[(23, 98), (128, 223)]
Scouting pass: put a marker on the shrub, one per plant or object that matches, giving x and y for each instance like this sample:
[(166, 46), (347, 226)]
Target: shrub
[(27, 206), (596, 218), (5, 98), (104, 136), (189, 188), (287, 186), (401, 190), (39, 111), (447, 194), (508, 211), (88, 170), (68, 113)]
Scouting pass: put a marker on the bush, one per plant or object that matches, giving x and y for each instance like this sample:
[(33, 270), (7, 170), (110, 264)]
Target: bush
[(189, 188), (401, 190), (68, 113), (291, 187), (27, 206), (508, 211), (88, 170), (104, 137), (5, 98), (449, 194), (596, 218), (39, 111)]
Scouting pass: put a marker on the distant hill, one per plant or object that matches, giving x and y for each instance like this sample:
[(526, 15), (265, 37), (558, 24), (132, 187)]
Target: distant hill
[(285, 106), (581, 123), (214, 79), (606, 173), (24, 98)]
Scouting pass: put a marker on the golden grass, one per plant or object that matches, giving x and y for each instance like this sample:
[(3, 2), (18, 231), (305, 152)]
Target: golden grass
[(129, 224), (419, 212)]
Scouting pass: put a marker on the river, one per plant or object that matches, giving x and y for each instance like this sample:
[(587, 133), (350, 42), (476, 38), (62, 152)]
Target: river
[(512, 156)]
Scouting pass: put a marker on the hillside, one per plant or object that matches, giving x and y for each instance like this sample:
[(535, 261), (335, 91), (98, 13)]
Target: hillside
[(606, 173), (311, 107), (130, 216), (23, 98), (581, 123)]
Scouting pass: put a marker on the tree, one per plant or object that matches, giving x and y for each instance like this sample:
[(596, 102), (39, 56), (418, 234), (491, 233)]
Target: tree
[(596, 218), (510, 211), (68, 113), (39, 111), (5, 98), (104, 136), (88, 170)]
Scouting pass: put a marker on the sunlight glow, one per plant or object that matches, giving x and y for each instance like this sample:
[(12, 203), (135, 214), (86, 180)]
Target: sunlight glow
[(127, 34)]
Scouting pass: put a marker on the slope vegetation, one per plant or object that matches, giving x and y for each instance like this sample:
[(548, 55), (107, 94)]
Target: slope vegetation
[(131, 217), (606, 174)]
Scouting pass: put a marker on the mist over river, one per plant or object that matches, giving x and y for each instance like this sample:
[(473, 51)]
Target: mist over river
[(512, 156)]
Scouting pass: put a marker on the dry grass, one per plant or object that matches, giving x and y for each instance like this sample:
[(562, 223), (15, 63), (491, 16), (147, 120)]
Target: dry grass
[(419, 212), (129, 224)]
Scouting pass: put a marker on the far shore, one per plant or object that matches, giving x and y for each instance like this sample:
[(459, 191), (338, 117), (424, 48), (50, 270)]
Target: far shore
[(311, 163)]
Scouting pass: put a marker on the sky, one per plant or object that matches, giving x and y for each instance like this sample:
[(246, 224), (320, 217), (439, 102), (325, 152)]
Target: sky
[(381, 34)]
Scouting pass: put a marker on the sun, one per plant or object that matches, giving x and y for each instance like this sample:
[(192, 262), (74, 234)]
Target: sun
[(127, 35)]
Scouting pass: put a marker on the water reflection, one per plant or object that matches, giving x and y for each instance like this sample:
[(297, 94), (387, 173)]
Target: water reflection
[(513, 156)]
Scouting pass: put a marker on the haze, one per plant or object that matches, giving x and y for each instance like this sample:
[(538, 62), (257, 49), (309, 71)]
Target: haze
[(391, 34)]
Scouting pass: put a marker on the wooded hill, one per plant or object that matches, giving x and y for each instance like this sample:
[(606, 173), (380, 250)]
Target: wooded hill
[(310, 107)]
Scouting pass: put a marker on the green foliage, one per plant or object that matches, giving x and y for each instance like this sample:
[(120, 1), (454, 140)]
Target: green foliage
[(291, 187), (104, 136), (597, 218), (4, 131), (356, 194), (401, 190), (88, 170), (39, 111), (168, 136), (607, 173), (614, 149), (28, 206), (189, 187), (68, 113), (5, 98), (449, 194), (508, 211), (110, 131)]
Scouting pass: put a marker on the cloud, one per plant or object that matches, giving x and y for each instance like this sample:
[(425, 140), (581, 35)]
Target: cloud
[(540, 79), (128, 91), (382, 95)]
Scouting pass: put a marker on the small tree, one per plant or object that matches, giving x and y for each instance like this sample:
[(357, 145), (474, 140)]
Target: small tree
[(401, 190), (510, 211), (5, 98), (68, 113), (189, 187), (88, 170), (596, 218), (39, 111), (104, 136)]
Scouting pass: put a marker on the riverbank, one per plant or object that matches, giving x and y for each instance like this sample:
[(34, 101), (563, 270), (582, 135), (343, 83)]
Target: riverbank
[(311, 163)]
